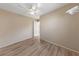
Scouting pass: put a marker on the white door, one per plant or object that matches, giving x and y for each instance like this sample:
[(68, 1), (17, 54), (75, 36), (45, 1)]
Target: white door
[(36, 28)]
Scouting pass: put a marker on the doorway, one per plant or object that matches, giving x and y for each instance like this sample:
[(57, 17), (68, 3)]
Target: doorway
[(37, 29), (36, 33)]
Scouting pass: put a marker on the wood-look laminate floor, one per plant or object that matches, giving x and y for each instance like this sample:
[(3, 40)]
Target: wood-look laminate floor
[(31, 47)]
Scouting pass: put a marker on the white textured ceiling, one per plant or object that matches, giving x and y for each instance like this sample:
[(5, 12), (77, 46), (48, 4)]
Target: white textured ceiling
[(21, 8)]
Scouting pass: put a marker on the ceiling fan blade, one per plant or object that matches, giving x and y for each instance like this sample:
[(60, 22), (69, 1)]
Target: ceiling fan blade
[(24, 6), (73, 10)]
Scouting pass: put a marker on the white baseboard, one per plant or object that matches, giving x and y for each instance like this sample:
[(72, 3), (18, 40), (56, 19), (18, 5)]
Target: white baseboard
[(6, 43), (61, 46)]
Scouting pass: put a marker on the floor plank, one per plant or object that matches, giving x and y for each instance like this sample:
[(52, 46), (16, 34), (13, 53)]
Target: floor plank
[(31, 47)]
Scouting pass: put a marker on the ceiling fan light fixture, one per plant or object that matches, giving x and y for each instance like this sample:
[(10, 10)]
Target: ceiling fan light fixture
[(35, 11)]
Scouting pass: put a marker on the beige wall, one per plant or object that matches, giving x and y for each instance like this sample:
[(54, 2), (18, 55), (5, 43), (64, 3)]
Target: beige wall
[(61, 28), (14, 28)]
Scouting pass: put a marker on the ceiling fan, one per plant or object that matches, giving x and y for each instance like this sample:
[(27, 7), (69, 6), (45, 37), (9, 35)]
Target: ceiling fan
[(73, 10), (33, 9)]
